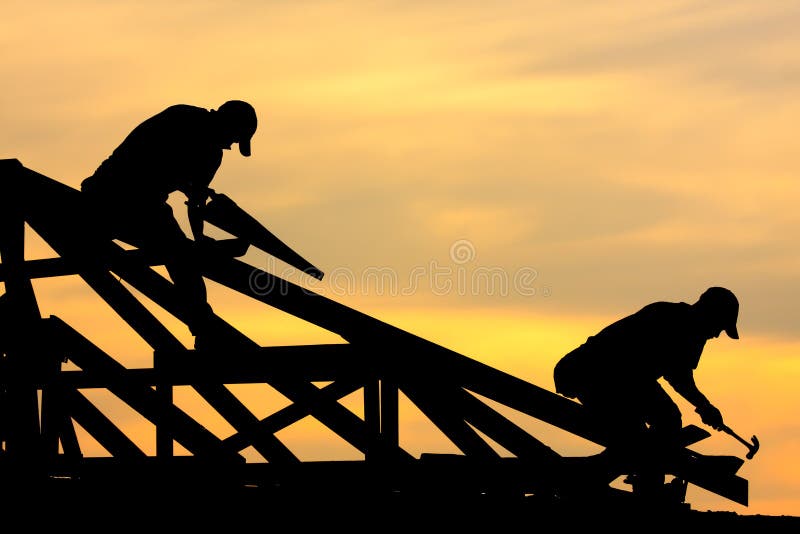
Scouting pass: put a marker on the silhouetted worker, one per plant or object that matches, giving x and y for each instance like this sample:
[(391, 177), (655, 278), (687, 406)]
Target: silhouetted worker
[(178, 149), (615, 373)]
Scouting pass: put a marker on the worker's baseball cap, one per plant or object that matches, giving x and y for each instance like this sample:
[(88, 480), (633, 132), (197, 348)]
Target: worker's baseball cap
[(724, 303), (242, 116)]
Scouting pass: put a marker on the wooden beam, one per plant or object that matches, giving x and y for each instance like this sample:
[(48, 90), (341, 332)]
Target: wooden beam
[(713, 473)]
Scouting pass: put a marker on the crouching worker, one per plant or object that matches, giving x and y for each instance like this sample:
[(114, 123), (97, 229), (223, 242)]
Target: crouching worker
[(615, 374)]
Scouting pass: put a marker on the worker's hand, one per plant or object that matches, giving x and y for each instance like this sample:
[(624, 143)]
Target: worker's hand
[(710, 415)]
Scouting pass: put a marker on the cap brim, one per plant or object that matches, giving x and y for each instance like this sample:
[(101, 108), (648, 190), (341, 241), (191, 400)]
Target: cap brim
[(732, 332), (244, 147)]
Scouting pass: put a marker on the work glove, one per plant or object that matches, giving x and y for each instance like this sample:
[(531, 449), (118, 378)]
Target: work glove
[(710, 415)]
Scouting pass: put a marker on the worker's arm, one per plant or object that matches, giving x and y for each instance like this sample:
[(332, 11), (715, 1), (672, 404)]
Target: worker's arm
[(195, 205), (196, 188), (683, 382)]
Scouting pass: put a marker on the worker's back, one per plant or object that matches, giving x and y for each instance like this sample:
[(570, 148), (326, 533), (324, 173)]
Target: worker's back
[(659, 339), (159, 156)]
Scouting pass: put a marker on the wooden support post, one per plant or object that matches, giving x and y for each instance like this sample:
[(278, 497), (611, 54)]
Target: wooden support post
[(390, 406), (55, 409), (164, 394), (53, 404), (372, 417), (19, 318)]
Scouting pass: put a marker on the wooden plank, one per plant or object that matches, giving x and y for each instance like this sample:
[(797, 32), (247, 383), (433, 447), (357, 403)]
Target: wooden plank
[(713, 473)]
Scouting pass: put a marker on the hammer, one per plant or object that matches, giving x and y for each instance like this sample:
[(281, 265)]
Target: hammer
[(751, 447)]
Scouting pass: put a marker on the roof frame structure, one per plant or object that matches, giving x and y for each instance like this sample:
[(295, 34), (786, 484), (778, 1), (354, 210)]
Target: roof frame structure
[(376, 358)]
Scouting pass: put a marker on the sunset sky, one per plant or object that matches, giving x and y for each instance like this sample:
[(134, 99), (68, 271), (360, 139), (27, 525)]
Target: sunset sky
[(502, 178)]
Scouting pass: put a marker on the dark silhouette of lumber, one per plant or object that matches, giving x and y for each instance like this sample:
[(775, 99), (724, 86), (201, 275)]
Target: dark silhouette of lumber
[(375, 357)]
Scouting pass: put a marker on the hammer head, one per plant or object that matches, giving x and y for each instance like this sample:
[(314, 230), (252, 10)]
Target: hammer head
[(753, 449)]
